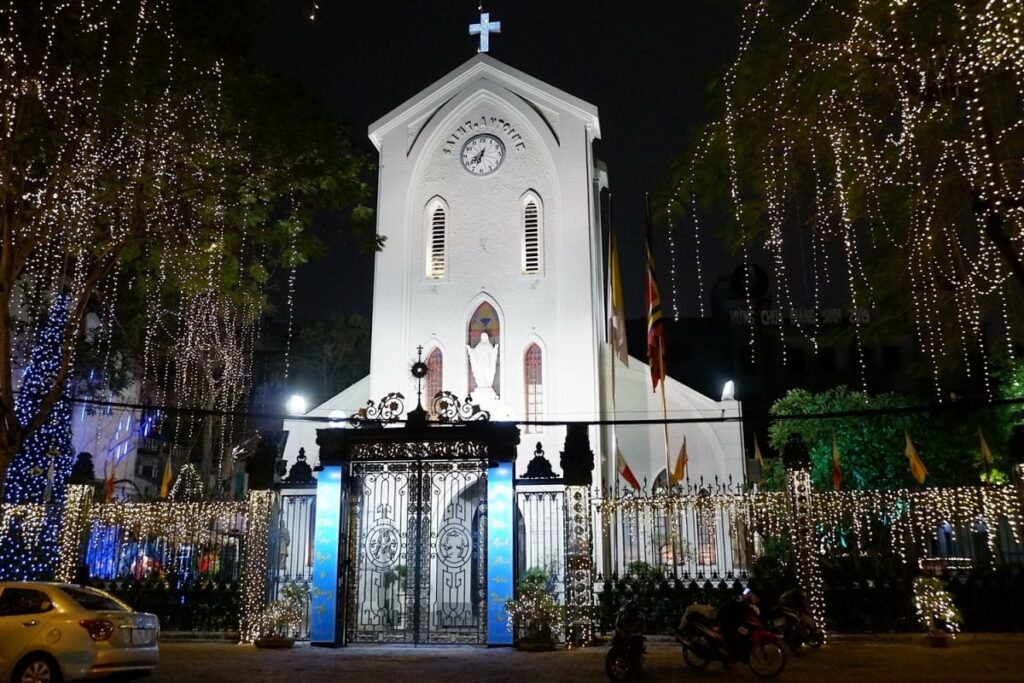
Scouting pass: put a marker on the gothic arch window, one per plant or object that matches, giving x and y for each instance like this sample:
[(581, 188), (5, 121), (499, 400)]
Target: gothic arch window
[(533, 375), (533, 233), (484, 320), (436, 239), (434, 380)]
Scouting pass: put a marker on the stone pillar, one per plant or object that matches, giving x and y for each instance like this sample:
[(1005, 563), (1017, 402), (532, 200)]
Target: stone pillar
[(73, 526), (577, 469), (255, 562), (804, 535)]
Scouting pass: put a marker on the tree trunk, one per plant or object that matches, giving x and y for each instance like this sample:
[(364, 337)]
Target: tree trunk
[(206, 465)]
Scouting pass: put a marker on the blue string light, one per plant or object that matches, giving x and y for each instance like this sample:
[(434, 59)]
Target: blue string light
[(39, 471)]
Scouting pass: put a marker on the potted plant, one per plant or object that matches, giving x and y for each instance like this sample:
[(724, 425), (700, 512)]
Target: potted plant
[(936, 611), (534, 616), (282, 618)]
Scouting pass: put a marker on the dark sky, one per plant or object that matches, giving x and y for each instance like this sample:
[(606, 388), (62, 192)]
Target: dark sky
[(646, 65)]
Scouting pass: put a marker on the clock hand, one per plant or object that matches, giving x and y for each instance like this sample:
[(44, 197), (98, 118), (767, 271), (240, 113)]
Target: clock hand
[(478, 157)]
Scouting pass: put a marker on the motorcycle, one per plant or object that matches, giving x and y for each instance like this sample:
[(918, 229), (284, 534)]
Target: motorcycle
[(794, 623), (704, 633), (626, 655)]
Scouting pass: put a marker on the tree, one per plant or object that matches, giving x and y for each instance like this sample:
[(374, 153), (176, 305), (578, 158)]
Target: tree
[(331, 354), (882, 143), (148, 173), (871, 447), (40, 469)]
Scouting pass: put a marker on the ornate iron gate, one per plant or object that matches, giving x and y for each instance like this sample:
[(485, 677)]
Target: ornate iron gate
[(419, 562)]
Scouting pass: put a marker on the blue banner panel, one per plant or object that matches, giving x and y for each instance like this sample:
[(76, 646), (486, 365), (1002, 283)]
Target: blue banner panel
[(324, 594), (499, 552)]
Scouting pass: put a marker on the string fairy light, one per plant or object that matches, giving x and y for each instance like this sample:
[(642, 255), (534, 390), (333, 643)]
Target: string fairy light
[(903, 142)]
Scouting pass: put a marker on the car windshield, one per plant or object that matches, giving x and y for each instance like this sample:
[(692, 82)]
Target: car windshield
[(90, 598)]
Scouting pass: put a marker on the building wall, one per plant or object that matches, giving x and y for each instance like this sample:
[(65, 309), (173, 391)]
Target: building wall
[(557, 308)]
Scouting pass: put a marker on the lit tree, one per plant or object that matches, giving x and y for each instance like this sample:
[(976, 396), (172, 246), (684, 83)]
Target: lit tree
[(882, 143), (145, 168), (871, 448), (40, 469)]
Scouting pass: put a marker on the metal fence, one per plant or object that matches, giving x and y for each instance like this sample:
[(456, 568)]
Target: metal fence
[(290, 547), (691, 533), (540, 533), (670, 547)]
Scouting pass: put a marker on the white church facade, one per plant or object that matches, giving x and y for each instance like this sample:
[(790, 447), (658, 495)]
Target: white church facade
[(491, 290), (489, 197)]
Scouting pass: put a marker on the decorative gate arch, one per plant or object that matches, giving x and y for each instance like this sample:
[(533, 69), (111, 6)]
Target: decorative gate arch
[(412, 525)]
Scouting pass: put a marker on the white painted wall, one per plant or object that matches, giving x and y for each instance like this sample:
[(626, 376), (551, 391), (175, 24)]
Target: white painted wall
[(548, 136)]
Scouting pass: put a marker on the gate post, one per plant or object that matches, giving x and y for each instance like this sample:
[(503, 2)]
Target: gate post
[(577, 463), (73, 525), (805, 545), (500, 529), (324, 628), (254, 581)]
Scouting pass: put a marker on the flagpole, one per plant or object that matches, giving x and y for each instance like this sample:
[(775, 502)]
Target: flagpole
[(664, 414), (613, 460)]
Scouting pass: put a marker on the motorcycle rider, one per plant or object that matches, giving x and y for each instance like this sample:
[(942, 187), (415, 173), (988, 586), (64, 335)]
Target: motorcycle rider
[(732, 615)]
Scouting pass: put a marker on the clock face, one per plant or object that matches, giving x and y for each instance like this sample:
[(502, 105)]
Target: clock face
[(483, 154)]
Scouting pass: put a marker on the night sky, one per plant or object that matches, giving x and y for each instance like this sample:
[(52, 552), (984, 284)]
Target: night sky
[(647, 67)]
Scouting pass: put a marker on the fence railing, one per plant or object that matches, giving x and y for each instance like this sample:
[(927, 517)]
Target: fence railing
[(291, 547)]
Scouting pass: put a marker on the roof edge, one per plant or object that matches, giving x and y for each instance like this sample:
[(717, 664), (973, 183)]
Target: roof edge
[(480, 64)]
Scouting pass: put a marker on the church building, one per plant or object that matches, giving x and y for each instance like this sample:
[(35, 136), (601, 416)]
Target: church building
[(489, 297), (489, 197)]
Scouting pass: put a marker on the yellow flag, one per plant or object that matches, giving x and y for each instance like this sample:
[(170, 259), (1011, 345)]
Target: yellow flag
[(917, 468), (679, 471), (165, 483), (757, 453), (616, 308), (986, 452)]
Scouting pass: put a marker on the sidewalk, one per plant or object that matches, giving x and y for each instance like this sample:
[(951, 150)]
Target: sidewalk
[(899, 658)]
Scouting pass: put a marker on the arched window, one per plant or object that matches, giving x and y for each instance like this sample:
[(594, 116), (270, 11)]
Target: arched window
[(436, 240), (531, 235), (434, 379), (533, 374), (484, 320)]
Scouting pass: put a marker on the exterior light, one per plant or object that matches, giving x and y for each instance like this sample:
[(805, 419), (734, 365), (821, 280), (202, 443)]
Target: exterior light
[(729, 391), (296, 405)]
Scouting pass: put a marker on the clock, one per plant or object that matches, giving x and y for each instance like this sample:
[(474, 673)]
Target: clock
[(483, 154)]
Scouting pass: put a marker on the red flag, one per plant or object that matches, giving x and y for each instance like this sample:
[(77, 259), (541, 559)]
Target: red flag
[(108, 485), (624, 471), (837, 472), (655, 324)]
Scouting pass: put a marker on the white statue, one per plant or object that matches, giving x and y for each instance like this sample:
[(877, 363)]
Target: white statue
[(483, 359)]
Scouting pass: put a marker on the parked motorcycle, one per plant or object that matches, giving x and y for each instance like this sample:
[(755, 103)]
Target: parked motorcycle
[(732, 632), (626, 655), (792, 620)]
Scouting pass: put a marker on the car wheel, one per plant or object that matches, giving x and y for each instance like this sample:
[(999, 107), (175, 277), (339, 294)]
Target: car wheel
[(37, 669)]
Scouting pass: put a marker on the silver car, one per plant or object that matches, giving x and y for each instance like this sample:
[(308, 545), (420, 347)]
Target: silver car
[(54, 632)]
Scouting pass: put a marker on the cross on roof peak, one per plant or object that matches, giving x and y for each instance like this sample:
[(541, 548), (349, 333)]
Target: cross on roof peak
[(484, 28)]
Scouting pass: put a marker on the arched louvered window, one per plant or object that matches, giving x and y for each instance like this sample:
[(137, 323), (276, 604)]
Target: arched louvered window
[(531, 235), (434, 379), (437, 233), (533, 374)]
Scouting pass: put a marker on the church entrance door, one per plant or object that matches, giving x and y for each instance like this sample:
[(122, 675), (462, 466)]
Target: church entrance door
[(419, 558)]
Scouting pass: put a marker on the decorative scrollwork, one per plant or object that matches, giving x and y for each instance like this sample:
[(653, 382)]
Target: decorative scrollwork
[(449, 409), (388, 409)]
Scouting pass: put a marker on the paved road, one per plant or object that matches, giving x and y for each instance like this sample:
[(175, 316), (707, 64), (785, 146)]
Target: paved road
[(977, 658)]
